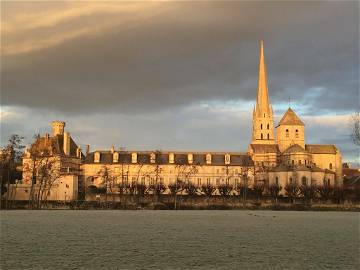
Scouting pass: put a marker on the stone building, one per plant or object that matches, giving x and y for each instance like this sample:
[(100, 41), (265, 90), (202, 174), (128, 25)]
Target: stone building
[(277, 155), (51, 168)]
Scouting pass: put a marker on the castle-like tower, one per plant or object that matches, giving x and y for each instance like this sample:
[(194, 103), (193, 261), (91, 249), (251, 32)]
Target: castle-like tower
[(263, 124)]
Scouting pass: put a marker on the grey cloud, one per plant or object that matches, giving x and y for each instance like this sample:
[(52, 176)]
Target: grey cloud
[(190, 52)]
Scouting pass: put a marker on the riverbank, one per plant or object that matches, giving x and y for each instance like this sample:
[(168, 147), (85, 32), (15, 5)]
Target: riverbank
[(212, 204)]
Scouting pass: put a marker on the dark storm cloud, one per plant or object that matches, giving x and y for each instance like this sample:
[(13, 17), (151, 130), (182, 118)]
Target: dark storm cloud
[(181, 53)]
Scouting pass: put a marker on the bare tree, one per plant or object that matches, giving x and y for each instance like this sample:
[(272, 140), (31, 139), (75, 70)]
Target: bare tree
[(355, 125), (175, 188), (208, 189), (325, 192), (258, 190), (184, 173), (308, 192), (225, 190), (274, 190), (10, 158), (292, 191)]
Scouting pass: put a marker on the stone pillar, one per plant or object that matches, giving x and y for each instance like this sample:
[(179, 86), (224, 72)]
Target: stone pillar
[(66, 143)]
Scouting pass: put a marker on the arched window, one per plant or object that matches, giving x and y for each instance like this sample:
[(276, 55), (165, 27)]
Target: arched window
[(300, 161), (261, 126), (268, 126), (290, 180), (287, 133), (303, 181), (268, 136), (277, 180), (296, 134), (262, 137), (330, 166)]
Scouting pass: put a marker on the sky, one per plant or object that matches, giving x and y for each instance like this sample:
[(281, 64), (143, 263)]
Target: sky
[(177, 75)]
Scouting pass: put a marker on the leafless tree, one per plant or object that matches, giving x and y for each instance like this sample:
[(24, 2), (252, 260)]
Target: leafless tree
[(108, 181), (258, 190), (175, 188), (225, 190), (292, 190), (325, 192), (208, 189), (355, 125), (339, 194), (184, 173), (10, 158), (274, 190), (308, 192)]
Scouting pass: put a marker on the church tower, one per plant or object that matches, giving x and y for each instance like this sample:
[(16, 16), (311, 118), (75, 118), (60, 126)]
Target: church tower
[(263, 124)]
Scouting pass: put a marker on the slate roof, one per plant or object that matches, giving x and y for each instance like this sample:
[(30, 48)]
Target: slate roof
[(264, 148), (53, 145), (199, 158), (321, 148), (295, 148), (290, 118)]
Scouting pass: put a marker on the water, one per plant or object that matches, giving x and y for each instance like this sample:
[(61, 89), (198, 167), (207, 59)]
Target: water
[(179, 240)]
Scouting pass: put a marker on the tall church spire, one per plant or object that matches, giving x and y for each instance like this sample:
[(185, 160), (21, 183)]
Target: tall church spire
[(263, 125), (262, 100)]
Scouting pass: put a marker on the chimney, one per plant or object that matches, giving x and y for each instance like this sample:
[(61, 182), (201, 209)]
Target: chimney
[(57, 128), (87, 149), (112, 149), (46, 138), (66, 143)]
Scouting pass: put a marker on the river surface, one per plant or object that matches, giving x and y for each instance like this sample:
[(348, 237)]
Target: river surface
[(179, 240)]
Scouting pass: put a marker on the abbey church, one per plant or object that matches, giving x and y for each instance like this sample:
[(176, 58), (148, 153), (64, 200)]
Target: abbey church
[(277, 154)]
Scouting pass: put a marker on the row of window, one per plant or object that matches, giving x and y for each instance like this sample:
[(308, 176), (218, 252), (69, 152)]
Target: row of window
[(303, 181), (262, 136), (134, 158), (307, 162), (287, 133), (267, 126)]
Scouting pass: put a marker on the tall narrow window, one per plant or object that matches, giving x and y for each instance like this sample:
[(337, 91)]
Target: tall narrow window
[(287, 133), (268, 126), (261, 126), (330, 166), (268, 136), (303, 181), (262, 137), (296, 134)]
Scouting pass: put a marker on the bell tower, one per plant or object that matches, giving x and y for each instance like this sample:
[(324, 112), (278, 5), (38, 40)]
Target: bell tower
[(263, 124)]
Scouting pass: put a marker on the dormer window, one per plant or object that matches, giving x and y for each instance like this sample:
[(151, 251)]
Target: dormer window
[(115, 157), (96, 157), (133, 157), (190, 158), (287, 133), (227, 159), (152, 158), (208, 158), (171, 158)]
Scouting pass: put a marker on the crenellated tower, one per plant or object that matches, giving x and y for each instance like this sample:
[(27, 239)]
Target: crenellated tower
[(263, 124)]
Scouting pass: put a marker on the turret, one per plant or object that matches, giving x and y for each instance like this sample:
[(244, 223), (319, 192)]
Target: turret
[(58, 128)]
